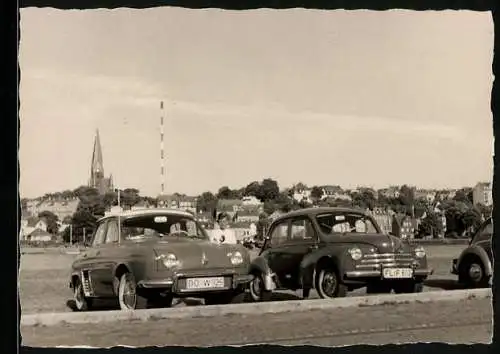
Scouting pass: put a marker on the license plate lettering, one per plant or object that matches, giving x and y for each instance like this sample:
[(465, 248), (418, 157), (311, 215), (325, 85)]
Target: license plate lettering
[(205, 283), (397, 273)]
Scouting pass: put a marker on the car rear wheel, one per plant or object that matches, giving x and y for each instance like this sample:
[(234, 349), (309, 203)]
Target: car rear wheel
[(82, 303), (258, 292), (473, 274), (328, 284), (127, 294)]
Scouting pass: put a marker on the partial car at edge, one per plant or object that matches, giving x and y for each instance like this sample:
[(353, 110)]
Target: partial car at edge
[(474, 264)]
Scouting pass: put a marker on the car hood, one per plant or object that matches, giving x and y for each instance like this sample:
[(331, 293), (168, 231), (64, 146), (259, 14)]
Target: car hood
[(382, 242), (192, 252)]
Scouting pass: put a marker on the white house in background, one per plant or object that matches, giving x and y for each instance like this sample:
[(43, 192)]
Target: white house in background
[(302, 195), (482, 194), (250, 200)]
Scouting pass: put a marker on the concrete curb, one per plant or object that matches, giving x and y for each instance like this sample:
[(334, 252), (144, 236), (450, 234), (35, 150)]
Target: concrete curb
[(51, 319)]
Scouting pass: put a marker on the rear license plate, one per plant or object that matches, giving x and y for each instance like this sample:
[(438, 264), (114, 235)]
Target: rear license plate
[(397, 273), (205, 283)]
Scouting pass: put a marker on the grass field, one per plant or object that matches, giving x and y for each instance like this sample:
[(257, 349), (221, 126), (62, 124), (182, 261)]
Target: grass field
[(44, 279)]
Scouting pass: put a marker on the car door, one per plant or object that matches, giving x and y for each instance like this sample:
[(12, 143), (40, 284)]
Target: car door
[(301, 241), (107, 255), (275, 250)]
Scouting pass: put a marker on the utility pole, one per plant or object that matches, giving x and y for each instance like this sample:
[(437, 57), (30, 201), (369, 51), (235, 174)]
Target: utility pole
[(70, 235)]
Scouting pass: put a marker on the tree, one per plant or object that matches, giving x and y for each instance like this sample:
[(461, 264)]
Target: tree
[(268, 190), (252, 189), (51, 219), (226, 193), (284, 203), (431, 225), (316, 193), (84, 191), (298, 187), (207, 202), (464, 195), (67, 220), (24, 204), (364, 199), (129, 197)]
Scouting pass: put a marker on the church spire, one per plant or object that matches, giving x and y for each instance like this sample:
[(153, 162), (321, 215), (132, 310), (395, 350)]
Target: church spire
[(97, 163)]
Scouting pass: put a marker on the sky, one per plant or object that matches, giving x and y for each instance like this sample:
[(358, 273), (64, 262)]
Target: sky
[(321, 97)]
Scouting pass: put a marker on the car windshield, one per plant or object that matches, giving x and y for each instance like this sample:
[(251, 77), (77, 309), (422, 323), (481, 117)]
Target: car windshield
[(338, 222), (159, 226)]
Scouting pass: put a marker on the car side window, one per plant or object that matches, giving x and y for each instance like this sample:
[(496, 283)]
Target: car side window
[(100, 234), (279, 234), (302, 230), (112, 232)]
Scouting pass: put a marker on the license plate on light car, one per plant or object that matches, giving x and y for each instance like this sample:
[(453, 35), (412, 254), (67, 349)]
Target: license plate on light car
[(205, 283), (397, 273)]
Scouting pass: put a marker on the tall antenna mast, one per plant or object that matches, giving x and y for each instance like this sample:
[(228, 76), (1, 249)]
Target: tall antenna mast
[(162, 153)]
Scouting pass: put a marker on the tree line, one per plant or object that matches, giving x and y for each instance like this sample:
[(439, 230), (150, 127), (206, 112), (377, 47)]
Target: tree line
[(461, 215)]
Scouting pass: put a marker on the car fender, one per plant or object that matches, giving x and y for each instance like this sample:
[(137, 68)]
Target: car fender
[(259, 264), (479, 252), (117, 270), (309, 262)]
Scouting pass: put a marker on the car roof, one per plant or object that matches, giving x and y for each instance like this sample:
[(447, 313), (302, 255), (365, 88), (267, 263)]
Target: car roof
[(143, 212), (315, 211)]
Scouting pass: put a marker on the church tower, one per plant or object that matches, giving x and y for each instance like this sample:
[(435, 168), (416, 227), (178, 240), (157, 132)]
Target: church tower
[(97, 179)]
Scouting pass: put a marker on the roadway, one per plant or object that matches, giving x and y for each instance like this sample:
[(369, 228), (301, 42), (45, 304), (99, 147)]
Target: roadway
[(465, 322)]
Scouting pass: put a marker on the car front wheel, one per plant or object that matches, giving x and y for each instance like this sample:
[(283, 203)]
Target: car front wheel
[(474, 275), (82, 303), (127, 294), (258, 292), (328, 284)]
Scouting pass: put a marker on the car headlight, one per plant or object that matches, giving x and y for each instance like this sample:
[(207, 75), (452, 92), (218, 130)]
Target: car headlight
[(420, 252), (355, 253), (169, 260), (236, 257)]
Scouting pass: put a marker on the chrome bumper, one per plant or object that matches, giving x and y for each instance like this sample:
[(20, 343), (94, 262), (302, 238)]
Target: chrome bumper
[(169, 283), (378, 273)]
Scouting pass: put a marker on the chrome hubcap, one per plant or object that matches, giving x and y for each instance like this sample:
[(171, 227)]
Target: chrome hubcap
[(328, 284), (256, 286), (78, 295), (475, 272), (128, 295)]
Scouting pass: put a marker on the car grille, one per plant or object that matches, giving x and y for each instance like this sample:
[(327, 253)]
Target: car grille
[(378, 260), (86, 283)]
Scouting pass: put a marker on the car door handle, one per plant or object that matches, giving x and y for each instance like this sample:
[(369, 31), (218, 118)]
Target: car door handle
[(313, 247)]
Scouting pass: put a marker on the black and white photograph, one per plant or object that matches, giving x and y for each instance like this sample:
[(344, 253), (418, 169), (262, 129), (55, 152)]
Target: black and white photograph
[(209, 177)]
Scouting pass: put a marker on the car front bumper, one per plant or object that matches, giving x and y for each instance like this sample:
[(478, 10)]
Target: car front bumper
[(176, 283), (364, 274)]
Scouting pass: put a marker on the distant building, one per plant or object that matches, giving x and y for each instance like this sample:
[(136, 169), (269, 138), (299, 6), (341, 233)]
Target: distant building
[(97, 179), (482, 194), (250, 200)]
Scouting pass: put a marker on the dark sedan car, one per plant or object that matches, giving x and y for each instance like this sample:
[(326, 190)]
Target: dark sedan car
[(145, 258), (334, 250), (474, 265)]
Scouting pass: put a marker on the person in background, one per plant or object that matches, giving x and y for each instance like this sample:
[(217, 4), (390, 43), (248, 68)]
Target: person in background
[(223, 233)]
